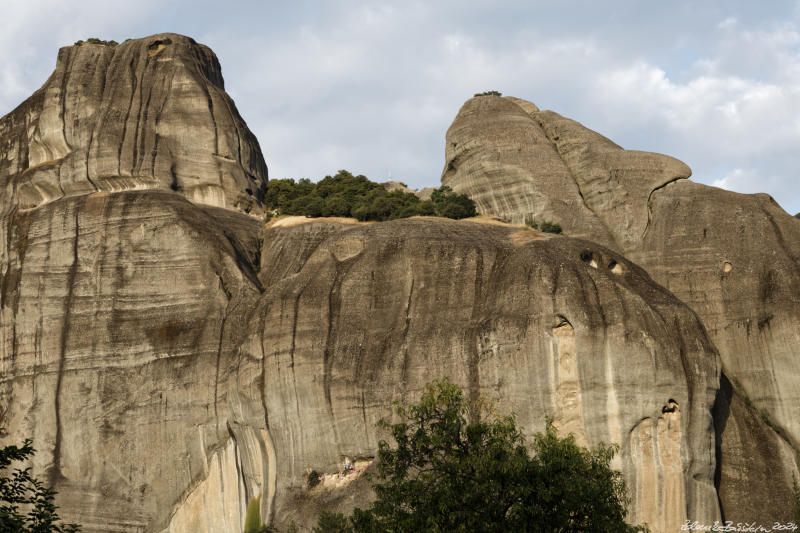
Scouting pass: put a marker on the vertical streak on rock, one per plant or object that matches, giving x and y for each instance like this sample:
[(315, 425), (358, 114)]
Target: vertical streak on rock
[(659, 490), (669, 455), (295, 317), (567, 386), (406, 326), (270, 479), (99, 269), (645, 489), (55, 472), (219, 348), (210, 101), (236, 129), (271, 473), (167, 93), (472, 342), (19, 241), (63, 98), (134, 81)]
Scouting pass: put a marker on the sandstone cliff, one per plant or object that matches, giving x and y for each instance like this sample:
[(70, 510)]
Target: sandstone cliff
[(733, 258), (147, 114), (173, 358), (550, 326)]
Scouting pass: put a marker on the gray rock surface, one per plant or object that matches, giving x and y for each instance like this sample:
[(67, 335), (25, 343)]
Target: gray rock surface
[(541, 324), (502, 159), (119, 316), (149, 113), (733, 258)]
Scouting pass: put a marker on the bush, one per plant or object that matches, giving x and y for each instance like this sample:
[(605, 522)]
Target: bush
[(797, 215), (313, 479), (26, 506), (346, 195), (489, 93), (546, 226), (550, 227), (457, 466), (95, 40)]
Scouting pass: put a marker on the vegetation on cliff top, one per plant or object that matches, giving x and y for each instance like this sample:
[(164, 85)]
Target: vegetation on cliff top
[(26, 506), (346, 195), (457, 466), (95, 40)]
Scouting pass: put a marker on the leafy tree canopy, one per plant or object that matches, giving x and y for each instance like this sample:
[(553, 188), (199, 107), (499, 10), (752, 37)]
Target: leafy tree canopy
[(457, 466), (26, 506), (346, 195)]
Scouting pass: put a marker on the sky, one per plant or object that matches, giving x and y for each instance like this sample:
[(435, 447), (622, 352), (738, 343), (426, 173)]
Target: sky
[(372, 86)]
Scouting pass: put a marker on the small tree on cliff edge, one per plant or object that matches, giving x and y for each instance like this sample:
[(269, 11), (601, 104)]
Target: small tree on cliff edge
[(459, 467), (26, 506)]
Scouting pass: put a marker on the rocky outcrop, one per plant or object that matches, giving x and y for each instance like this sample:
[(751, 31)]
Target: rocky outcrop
[(502, 159), (549, 326), (735, 259), (123, 291), (119, 317), (147, 114)]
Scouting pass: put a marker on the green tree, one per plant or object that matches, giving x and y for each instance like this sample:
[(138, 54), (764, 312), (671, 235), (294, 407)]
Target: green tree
[(346, 195), (451, 205), (457, 466), (26, 506)]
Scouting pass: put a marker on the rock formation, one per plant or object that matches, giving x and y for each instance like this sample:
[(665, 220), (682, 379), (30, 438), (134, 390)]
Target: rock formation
[(172, 357), (733, 258), (550, 326), (147, 114)]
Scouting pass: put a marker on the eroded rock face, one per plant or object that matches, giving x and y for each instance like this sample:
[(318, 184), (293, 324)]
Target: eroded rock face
[(119, 316), (147, 114), (735, 259), (371, 312), (504, 161)]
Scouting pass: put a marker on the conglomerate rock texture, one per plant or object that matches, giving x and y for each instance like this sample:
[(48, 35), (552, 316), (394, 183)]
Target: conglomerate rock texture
[(733, 258), (146, 114), (173, 357)]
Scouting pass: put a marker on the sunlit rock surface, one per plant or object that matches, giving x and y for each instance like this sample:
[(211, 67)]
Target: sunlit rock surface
[(149, 113), (356, 316), (733, 258)]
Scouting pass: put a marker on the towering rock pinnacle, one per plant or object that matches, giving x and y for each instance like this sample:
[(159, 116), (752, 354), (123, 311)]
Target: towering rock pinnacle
[(149, 113)]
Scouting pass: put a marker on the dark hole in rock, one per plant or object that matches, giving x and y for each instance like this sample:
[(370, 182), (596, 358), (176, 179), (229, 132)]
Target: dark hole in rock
[(586, 256), (671, 406), (156, 44)]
